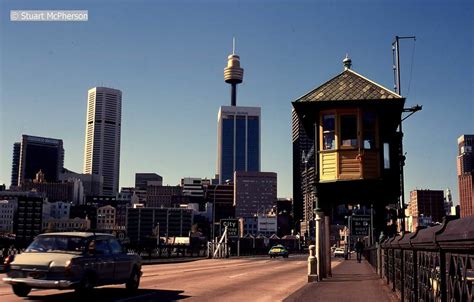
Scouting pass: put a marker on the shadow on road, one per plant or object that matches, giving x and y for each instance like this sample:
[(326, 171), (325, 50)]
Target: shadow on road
[(112, 294)]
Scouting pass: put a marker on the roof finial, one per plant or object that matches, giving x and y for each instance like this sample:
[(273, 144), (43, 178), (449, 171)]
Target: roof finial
[(347, 62)]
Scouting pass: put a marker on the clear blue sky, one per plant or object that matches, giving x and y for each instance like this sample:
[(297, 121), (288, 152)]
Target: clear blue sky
[(167, 57)]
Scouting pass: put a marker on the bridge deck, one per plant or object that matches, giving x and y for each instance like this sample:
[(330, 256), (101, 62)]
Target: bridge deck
[(350, 281)]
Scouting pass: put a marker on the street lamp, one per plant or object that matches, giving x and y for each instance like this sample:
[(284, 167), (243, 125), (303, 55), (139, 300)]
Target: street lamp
[(157, 231)]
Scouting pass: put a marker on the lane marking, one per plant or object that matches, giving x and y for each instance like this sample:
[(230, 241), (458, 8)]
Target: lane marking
[(238, 275)]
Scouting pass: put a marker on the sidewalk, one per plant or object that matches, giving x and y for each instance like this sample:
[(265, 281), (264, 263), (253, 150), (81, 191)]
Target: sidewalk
[(350, 281)]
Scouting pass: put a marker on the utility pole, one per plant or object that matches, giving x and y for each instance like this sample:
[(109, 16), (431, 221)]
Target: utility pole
[(396, 69)]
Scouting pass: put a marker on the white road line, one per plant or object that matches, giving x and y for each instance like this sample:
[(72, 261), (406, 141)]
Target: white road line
[(238, 275)]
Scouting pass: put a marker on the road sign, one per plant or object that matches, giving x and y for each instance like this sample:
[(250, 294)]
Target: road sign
[(360, 225), (232, 227)]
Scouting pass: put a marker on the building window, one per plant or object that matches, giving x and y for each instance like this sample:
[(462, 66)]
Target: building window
[(329, 129), (349, 131), (368, 125)]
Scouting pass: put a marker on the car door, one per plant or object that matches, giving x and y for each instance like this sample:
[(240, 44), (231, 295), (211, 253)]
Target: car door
[(104, 260), (122, 262)]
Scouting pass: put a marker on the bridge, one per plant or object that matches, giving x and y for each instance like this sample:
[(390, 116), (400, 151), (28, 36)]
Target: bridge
[(431, 264)]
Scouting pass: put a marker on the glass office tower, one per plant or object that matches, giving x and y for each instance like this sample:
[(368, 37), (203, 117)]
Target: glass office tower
[(238, 141)]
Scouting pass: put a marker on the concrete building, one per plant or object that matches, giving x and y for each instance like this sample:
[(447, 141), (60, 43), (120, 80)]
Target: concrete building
[(174, 222), (238, 137), (194, 187), (302, 143), (36, 153), (92, 183), (85, 211), (106, 217), (194, 190), (222, 198), (7, 215), (56, 210), (424, 204), (465, 169), (29, 214), (142, 180), (71, 190), (102, 146), (136, 195), (255, 193), (163, 196)]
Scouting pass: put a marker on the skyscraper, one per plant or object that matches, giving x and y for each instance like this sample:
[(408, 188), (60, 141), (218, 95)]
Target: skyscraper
[(36, 153), (426, 203), (303, 173), (15, 164), (238, 140), (465, 163), (238, 133), (102, 148)]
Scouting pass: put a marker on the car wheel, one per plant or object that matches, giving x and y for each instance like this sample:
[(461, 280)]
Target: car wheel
[(86, 285), (134, 280), (21, 290)]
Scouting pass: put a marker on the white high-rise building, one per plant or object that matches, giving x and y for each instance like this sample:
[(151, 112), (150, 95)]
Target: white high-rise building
[(102, 149)]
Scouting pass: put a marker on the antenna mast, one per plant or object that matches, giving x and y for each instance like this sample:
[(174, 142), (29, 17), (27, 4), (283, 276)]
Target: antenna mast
[(396, 61)]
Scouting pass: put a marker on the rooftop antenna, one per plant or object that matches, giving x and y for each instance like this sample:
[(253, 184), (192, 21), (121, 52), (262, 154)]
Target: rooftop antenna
[(233, 45), (396, 61)]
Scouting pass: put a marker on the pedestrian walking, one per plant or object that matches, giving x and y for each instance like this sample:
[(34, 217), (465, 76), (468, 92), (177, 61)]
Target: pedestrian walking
[(359, 247)]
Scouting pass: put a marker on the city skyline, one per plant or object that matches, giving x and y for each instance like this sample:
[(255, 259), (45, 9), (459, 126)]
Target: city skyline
[(278, 71)]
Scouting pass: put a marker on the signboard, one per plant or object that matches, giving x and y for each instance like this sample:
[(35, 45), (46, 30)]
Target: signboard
[(232, 227), (360, 225)]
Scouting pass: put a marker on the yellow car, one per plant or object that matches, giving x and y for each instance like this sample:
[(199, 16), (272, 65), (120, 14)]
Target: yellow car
[(278, 250)]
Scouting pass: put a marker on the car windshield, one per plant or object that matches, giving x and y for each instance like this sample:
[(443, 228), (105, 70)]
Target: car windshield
[(69, 244)]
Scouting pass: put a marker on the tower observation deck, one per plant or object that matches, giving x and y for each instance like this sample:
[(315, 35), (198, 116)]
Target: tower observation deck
[(233, 74)]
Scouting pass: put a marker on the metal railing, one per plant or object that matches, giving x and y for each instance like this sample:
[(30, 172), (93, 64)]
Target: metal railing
[(432, 264)]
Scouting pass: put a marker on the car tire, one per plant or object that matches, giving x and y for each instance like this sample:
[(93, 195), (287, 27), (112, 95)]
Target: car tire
[(134, 281), (21, 290), (86, 286)]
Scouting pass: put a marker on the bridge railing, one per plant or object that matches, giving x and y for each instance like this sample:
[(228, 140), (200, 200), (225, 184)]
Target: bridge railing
[(432, 264), (370, 254)]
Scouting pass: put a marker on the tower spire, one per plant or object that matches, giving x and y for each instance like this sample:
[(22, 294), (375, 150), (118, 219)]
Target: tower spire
[(233, 45), (233, 73)]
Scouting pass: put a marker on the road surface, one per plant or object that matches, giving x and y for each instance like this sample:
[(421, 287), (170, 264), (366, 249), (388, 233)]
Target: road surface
[(245, 279)]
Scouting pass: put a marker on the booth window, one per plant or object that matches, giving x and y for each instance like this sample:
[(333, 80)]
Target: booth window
[(329, 129), (349, 131), (386, 156), (368, 125)]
